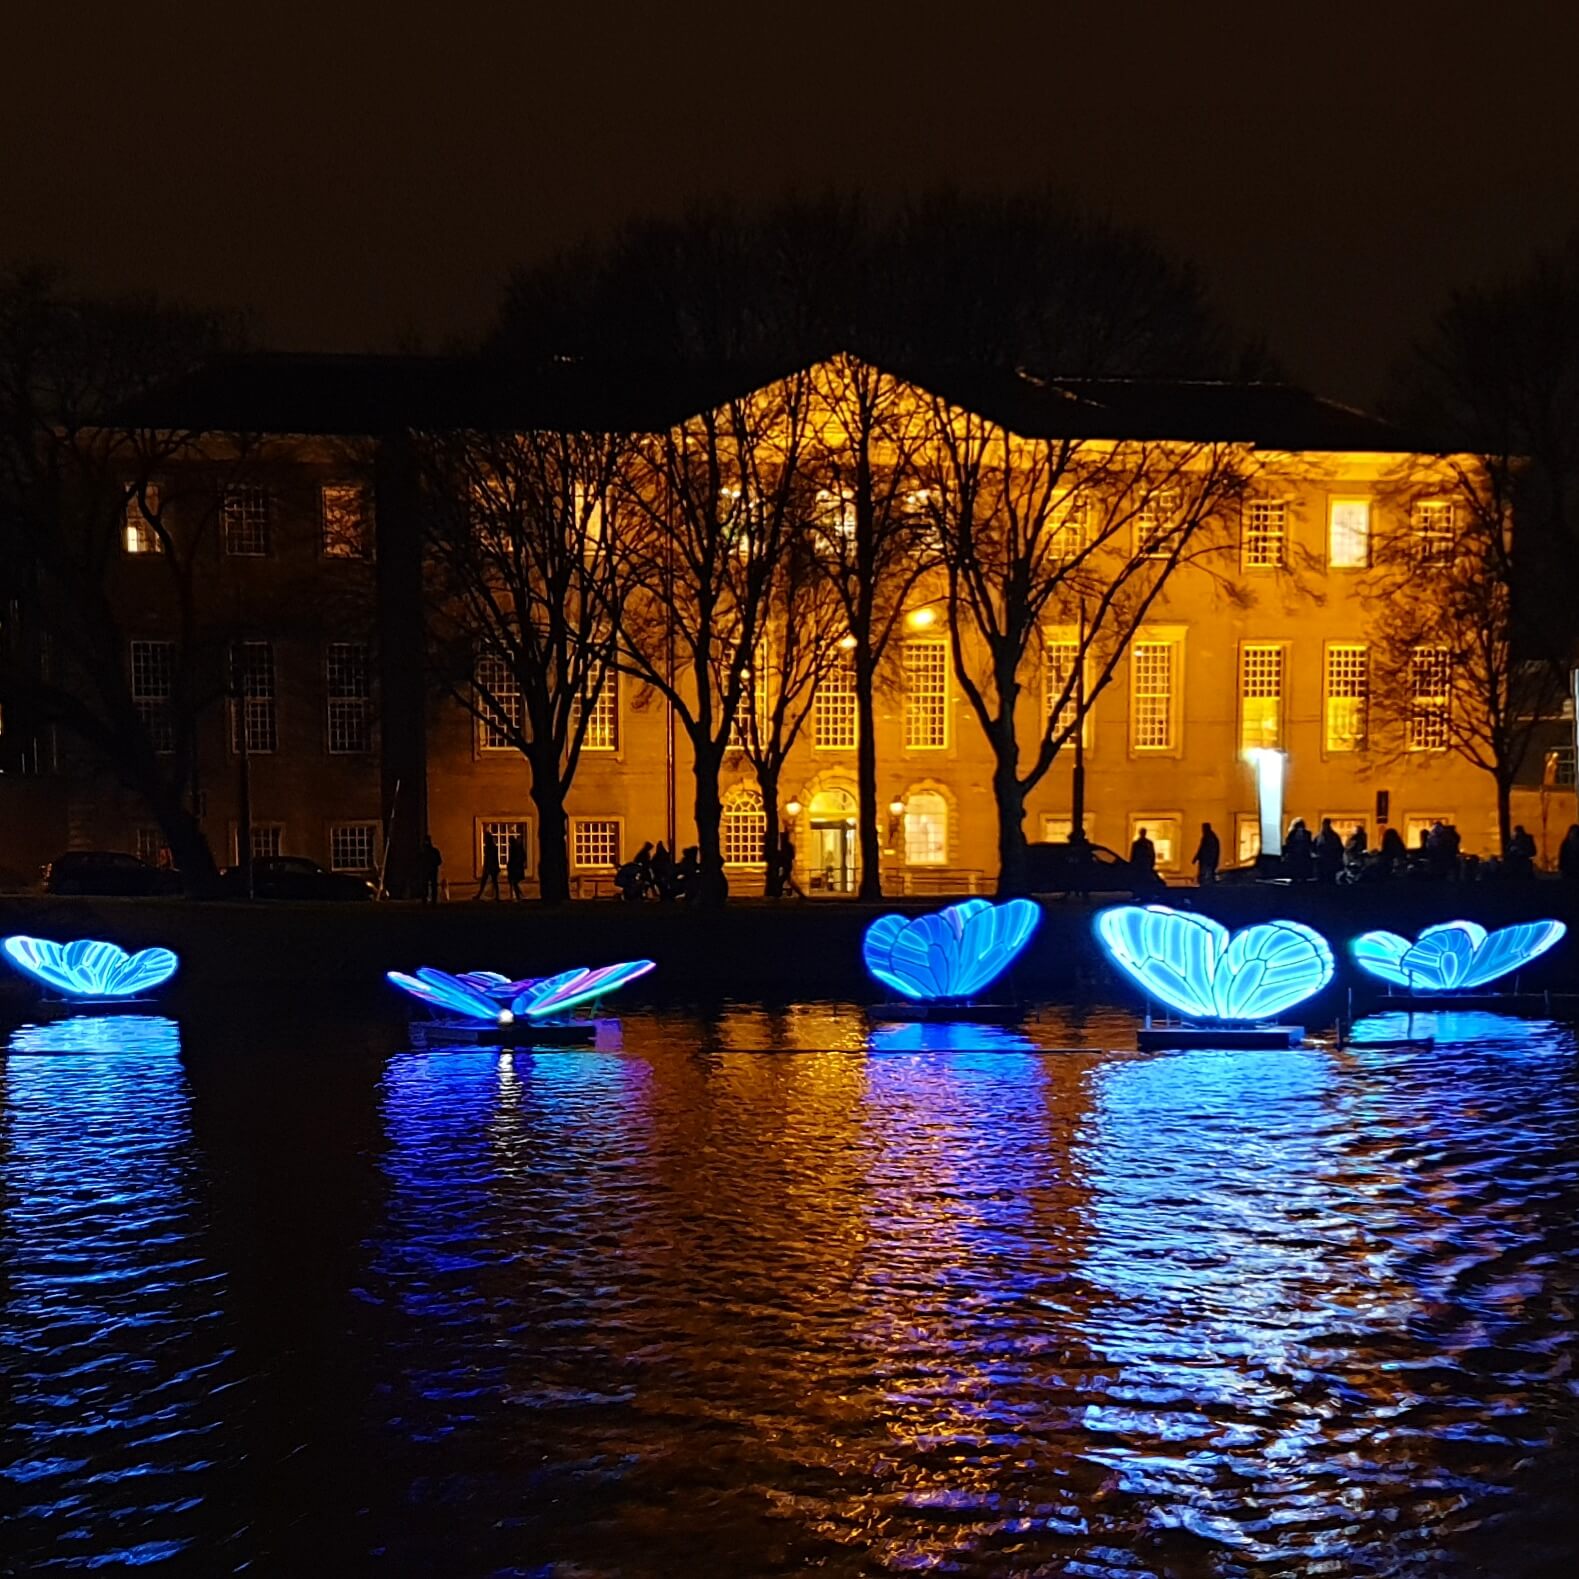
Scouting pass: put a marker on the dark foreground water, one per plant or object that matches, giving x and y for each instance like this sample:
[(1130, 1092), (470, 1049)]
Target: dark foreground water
[(302, 1301)]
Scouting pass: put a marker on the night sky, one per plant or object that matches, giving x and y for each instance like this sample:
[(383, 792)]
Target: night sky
[(365, 177)]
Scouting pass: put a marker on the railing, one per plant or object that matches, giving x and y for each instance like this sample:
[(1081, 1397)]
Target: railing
[(920, 880)]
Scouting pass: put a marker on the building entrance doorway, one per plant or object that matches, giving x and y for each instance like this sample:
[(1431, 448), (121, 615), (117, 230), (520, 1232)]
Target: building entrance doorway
[(831, 860)]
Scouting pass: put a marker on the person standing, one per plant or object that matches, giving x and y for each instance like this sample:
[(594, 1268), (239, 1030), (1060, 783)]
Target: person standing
[(1329, 852), (1207, 854), (431, 862), (663, 871), (1297, 851), (515, 865), (1519, 860), (1143, 857), (490, 866)]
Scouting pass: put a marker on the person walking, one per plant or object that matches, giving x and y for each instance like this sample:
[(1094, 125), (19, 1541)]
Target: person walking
[(663, 871), (431, 862), (490, 866), (1568, 855), (787, 866), (515, 865), (1207, 854), (1143, 857), (1329, 852)]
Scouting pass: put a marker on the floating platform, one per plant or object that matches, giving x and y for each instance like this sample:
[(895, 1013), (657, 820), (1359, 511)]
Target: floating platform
[(520, 1033), (977, 1013), (60, 1008), (1151, 1038), (1562, 1003)]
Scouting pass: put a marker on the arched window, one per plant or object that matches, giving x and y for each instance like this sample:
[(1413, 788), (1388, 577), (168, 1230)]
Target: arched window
[(744, 826), (926, 829)]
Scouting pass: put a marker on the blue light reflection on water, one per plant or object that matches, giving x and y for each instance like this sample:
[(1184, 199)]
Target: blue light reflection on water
[(109, 1328)]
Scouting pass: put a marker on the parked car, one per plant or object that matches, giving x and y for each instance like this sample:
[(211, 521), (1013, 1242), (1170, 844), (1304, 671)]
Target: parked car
[(295, 877), (1057, 869), (107, 872)]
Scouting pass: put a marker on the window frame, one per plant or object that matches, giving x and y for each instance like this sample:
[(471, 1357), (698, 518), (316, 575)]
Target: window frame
[(1246, 648), (1150, 820), (729, 810), (908, 646), (1280, 537), (370, 824), (576, 864), (1174, 642), (345, 700), (480, 827), (1432, 709), (605, 706), (243, 492), (142, 530), (1328, 697), (942, 858), (365, 518), (153, 709), (485, 723), (241, 700), (1059, 637), (1334, 503)]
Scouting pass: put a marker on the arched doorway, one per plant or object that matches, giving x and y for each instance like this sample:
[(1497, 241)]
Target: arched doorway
[(831, 857)]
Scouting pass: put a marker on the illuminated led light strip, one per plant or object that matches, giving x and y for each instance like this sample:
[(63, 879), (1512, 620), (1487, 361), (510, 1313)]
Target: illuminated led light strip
[(951, 954), (90, 968), (1456, 956)]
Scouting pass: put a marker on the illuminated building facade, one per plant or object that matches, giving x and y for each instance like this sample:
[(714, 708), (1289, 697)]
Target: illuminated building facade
[(1265, 642)]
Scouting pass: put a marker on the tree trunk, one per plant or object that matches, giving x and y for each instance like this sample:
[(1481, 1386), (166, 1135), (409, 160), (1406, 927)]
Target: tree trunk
[(1014, 877), (773, 881), (871, 886), (553, 855), (188, 844), (711, 888)]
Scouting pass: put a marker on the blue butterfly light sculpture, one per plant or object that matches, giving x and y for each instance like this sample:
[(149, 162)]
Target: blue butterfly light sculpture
[(952, 954), (89, 968), (1457, 956), (1203, 972), (488, 998)]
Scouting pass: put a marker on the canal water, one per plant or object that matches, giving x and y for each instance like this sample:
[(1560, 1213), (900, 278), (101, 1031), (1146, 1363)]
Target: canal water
[(761, 1290)]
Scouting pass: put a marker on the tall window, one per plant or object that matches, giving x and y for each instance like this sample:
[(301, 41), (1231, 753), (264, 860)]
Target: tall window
[(926, 829), (1348, 695), (1152, 681), (836, 515), (1069, 536), (1266, 534), (244, 522), (1430, 678), (498, 704), (1060, 654), (751, 710), (1433, 531), (346, 511), (594, 843), (833, 716), (1260, 695), (743, 827), (1247, 836), (153, 681), (926, 694), (139, 536), (1164, 831), (268, 840), (254, 726), (345, 668), (352, 846), (1349, 534), (499, 832), (151, 846), (603, 719), (1157, 524)]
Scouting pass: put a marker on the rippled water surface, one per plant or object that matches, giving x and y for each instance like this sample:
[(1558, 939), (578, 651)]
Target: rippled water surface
[(766, 1290)]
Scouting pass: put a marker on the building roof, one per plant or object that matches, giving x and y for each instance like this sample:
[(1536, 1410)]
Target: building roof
[(355, 395)]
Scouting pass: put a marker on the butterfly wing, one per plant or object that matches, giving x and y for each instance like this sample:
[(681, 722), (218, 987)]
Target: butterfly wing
[(1510, 949), (1381, 954), (555, 994), (897, 954), (1268, 968), (1167, 953), (140, 972), (988, 942), (449, 994), (1443, 956)]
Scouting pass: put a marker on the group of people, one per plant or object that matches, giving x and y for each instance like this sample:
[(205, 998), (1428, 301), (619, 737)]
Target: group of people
[(653, 873)]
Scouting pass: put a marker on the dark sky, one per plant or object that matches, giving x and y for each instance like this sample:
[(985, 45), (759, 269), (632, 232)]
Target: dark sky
[(365, 176)]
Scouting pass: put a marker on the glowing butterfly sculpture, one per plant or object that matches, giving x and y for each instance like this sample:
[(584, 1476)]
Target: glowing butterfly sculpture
[(952, 953), (88, 968), (489, 998), (1458, 956), (1204, 972)]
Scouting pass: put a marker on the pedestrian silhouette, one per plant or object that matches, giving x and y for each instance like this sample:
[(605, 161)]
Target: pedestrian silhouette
[(1207, 854), (515, 865), (1143, 855), (490, 866), (431, 862)]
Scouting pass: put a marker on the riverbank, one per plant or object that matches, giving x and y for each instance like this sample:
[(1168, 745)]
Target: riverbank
[(749, 948)]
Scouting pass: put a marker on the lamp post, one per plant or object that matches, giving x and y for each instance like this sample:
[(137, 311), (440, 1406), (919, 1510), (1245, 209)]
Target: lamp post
[(1077, 797)]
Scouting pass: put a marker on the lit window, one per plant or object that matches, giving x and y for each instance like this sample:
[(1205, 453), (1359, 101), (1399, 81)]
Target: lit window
[(603, 718), (139, 535), (750, 721), (244, 521), (1433, 531), (833, 718), (350, 716), (1151, 696), (1163, 831), (347, 514), (1266, 534), (836, 515), (1060, 654), (926, 829), (151, 846), (153, 682), (1057, 829), (1349, 534), (1420, 824), (1345, 822), (1260, 695), (1157, 525), (594, 843), (1430, 679), (926, 694), (254, 726), (1069, 537), (1348, 695), (743, 827), (1247, 836), (267, 841), (498, 704), (499, 832), (589, 521), (352, 846)]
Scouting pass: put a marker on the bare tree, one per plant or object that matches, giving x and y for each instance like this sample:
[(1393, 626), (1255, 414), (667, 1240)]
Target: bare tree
[(79, 479), (1056, 531), (706, 513), (516, 532)]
